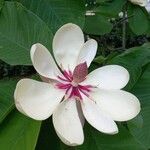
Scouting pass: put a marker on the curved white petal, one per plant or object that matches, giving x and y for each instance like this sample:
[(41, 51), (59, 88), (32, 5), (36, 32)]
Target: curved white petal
[(36, 99), (97, 118), (142, 3), (18, 106), (88, 52), (148, 7), (43, 62), (120, 105), (67, 43), (67, 123), (108, 77)]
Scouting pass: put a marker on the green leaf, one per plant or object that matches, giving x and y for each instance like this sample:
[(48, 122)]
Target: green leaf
[(19, 29), (57, 12), (97, 25), (133, 59), (19, 132), (100, 59), (137, 122), (103, 60), (139, 21), (111, 8), (7, 87), (1, 4), (47, 137), (101, 1), (142, 91)]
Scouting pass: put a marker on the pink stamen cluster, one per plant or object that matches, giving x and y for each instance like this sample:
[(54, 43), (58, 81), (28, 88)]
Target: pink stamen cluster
[(72, 88)]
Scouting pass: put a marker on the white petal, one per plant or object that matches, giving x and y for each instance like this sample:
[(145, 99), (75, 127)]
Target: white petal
[(148, 7), (67, 123), (142, 3), (43, 62), (88, 52), (36, 99), (120, 105), (108, 77), (97, 118), (67, 43)]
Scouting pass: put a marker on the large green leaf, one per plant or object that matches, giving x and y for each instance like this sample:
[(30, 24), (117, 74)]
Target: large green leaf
[(48, 140), (19, 29), (138, 20), (142, 91), (18, 132), (111, 8), (1, 4), (97, 25), (57, 12), (7, 87)]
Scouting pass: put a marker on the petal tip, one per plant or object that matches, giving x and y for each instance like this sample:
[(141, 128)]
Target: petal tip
[(74, 143), (116, 131), (34, 48), (70, 24)]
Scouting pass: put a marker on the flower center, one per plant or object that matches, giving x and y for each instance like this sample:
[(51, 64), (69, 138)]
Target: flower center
[(74, 84), (72, 88)]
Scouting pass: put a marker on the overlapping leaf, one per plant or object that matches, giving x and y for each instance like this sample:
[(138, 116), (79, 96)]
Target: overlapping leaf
[(18, 132), (19, 29), (57, 13), (1, 4), (142, 91), (111, 8), (97, 25), (138, 19), (7, 87)]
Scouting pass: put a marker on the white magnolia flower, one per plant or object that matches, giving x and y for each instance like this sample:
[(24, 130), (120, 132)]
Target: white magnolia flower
[(70, 95), (142, 3)]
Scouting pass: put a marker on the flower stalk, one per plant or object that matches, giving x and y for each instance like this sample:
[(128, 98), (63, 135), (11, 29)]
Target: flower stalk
[(124, 24)]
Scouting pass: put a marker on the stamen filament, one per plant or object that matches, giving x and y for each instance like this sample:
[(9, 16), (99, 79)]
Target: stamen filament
[(67, 76), (86, 94), (68, 84), (62, 79)]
